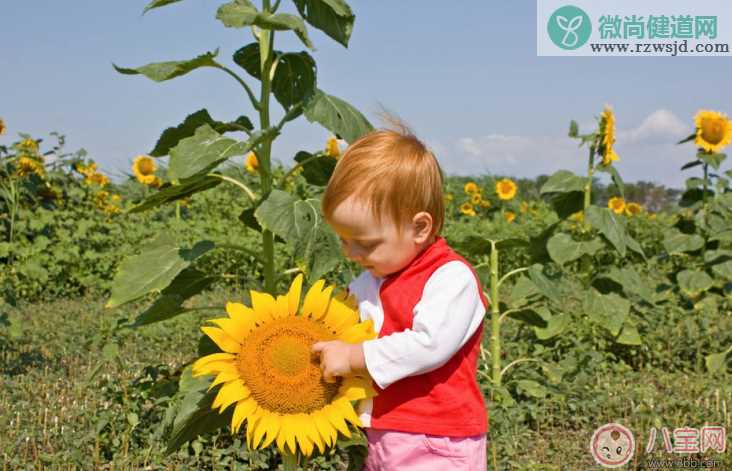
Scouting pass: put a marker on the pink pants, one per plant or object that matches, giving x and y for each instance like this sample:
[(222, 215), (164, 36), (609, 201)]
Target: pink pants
[(390, 450)]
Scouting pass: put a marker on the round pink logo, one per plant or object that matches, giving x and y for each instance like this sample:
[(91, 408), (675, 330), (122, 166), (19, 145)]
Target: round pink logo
[(612, 445)]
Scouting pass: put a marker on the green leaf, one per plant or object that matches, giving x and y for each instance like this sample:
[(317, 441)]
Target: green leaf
[(629, 335), (563, 181), (714, 160), (110, 351), (724, 270), (158, 4), (723, 236), (609, 225), (153, 269), (173, 135), (194, 415), (521, 291), (694, 182), (337, 116), (566, 204), (204, 150), (546, 286), (678, 242), (716, 362), (333, 17), (563, 249), (693, 282), (687, 139), (606, 310), (691, 164), (294, 78), (241, 13), (615, 177), (248, 59), (187, 284), (528, 316), (573, 129), (555, 325), (692, 197), (634, 245), (531, 388), (717, 256), (631, 281), (301, 225), (317, 171), (161, 71), (169, 193)]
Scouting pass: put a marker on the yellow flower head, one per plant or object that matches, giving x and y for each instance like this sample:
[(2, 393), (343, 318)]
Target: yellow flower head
[(475, 198), (86, 170), (48, 192), (578, 216), (609, 156), (155, 182), (713, 130), (523, 207), (607, 126), (471, 188), (27, 166), (467, 209), (509, 216), (485, 203), (617, 204), (506, 189), (631, 209), (2, 127), (143, 166), (266, 370), (332, 149), (251, 163), (449, 196), (97, 178)]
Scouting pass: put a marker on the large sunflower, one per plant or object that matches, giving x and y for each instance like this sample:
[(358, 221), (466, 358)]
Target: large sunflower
[(266, 369), (713, 130), (506, 189)]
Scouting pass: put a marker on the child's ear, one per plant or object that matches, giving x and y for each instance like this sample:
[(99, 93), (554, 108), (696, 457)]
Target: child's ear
[(422, 226)]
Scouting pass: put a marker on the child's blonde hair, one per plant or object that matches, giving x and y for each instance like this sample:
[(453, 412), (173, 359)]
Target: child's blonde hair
[(391, 171)]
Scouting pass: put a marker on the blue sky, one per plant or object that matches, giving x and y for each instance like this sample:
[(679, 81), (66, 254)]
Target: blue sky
[(467, 79)]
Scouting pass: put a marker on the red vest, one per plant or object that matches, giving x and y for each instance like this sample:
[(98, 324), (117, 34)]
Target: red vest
[(446, 401)]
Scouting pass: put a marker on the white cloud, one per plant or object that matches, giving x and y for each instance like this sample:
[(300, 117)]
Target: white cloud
[(661, 125)]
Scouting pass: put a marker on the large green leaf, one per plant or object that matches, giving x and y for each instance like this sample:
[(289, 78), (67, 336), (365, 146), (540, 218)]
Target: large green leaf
[(615, 177), (193, 413), (678, 242), (158, 4), (606, 310), (563, 181), (716, 362), (333, 17), (294, 78), (187, 284), (248, 58), (555, 325), (724, 269), (169, 193), (629, 335), (563, 249), (609, 225), (547, 286), (173, 135), (301, 225), (336, 116), (153, 269), (566, 204), (631, 281), (316, 171), (693, 282), (528, 316), (204, 150), (521, 291), (161, 71), (714, 160), (241, 13)]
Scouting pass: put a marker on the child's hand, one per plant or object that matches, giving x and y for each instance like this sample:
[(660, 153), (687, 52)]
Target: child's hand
[(337, 358)]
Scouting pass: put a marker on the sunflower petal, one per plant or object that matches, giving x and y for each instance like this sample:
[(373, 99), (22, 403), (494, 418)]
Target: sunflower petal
[(230, 393), (358, 333), (316, 300), (312, 432), (252, 425), (233, 328), (293, 296), (272, 428), (339, 316), (306, 445), (223, 341), (261, 428), (263, 304), (282, 434), (353, 389), (224, 377), (201, 364), (242, 314), (326, 430), (214, 367), (281, 307), (334, 416), (346, 409), (241, 412)]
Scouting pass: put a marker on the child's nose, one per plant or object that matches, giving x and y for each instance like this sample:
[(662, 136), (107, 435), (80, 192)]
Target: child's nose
[(353, 253)]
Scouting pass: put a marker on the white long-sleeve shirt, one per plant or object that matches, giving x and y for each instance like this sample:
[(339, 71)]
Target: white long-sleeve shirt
[(447, 315)]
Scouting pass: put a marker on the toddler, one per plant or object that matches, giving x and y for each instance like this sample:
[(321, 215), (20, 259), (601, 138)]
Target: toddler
[(385, 202)]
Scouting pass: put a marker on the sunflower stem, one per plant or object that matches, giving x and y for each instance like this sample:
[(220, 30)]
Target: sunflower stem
[(289, 461), (588, 187), (495, 318), (704, 200)]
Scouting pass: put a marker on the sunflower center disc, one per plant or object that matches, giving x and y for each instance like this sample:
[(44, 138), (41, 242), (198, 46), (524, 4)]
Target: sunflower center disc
[(713, 131), (279, 369)]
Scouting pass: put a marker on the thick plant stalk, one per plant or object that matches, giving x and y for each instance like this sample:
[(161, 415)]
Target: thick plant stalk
[(588, 186), (495, 319)]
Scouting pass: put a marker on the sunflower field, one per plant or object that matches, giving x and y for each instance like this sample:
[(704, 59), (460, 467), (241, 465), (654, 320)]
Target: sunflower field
[(162, 319)]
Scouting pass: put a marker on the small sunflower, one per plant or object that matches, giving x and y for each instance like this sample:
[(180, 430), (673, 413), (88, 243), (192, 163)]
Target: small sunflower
[(523, 207), (632, 209), (579, 216), (143, 166), (29, 145), (713, 130), (485, 203), (27, 166), (332, 149), (509, 216), (86, 170), (506, 189), (471, 188), (475, 199), (617, 204), (97, 178), (267, 372), (2, 127), (467, 209), (251, 163), (449, 196)]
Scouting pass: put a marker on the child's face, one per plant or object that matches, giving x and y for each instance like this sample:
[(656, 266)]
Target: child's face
[(376, 246)]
